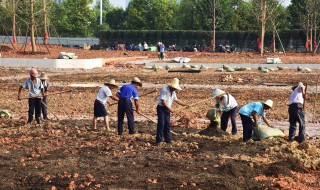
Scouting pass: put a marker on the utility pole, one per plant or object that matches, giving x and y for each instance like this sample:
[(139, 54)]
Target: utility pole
[(33, 44), (214, 26), (100, 12), (45, 41)]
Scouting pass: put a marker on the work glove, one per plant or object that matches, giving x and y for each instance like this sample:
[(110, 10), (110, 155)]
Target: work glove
[(217, 105)]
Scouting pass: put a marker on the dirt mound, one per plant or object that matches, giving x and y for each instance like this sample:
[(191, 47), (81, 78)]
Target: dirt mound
[(213, 131)]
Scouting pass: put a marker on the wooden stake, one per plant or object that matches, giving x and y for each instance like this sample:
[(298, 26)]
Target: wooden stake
[(314, 102)]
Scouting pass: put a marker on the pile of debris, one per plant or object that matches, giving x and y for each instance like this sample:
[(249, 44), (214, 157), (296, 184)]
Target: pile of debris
[(67, 55)]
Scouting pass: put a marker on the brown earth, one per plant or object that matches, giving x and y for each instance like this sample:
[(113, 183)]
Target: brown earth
[(70, 155)]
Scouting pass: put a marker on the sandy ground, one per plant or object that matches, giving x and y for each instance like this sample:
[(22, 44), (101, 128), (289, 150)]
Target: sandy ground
[(68, 154)]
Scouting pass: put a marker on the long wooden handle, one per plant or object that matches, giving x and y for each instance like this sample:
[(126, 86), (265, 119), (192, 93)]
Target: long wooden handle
[(196, 103), (61, 92), (305, 96), (49, 110), (147, 93)]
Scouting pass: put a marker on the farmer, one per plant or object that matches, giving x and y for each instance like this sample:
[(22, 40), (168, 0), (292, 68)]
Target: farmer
[(99, 104), (44, 80), (253, 109), (162, 48), (35, 88), (125, 94), (229, 109), (165, 100), (296, 113)]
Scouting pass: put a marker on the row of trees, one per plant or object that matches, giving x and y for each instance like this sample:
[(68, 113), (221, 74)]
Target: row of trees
[(78, 18)]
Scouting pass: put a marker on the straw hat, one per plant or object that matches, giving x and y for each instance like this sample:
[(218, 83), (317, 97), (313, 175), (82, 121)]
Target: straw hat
[(137, 80), (300, 84), (175, 84), (217, 92), (43, 76), (34, 72), (269, 103), (112, 82)]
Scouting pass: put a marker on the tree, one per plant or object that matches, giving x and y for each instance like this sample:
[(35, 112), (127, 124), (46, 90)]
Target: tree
[(115, 18), (151, 14), (73, 18), (264, 10)]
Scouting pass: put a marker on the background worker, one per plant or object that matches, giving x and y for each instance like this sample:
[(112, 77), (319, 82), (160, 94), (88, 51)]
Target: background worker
[(125, 94), (35, 89), (253, 109), (46, 87), (228, 108), (99, 104), (296, 113), (165, 100)]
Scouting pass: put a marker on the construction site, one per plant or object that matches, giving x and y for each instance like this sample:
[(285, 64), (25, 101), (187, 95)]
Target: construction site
[(66, 153)]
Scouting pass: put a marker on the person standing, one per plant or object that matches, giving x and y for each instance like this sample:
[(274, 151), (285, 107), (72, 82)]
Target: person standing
[(145, 46), (46, 87), (102, 97), (162, 48), (229, 109), (253, 109), (35, 89), (296, 113), (165, 100), (125, 94)]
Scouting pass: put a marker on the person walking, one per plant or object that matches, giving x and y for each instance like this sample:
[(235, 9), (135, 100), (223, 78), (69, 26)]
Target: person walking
[(102, 98), (296, 113), (228, 108), (125, 94), (35, 89), (46, 87), (165, 100), (253, 109)]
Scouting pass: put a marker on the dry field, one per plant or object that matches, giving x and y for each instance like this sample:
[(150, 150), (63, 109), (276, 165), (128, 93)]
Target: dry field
[(68, 154)]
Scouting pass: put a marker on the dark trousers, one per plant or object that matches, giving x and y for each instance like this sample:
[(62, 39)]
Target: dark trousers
[(44, 108), (34, 106), (296, 115), (225, 119), (125, 107), (163, 126), (247, 125)]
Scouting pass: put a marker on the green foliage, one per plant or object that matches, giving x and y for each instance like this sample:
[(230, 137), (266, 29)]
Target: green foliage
[(72, 18), (151, 14), (115, 18)]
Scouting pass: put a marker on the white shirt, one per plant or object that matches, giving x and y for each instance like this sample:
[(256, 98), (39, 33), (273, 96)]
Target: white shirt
[(145, 46), (296, 96), (228, 101), (103, 94), (35, 89), (167, 96)]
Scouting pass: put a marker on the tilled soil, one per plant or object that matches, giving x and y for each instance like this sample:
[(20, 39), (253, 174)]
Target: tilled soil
[(70, 155)]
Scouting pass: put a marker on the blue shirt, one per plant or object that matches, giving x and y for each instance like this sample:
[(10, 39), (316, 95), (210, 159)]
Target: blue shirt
[(128, 91), (249, 108)]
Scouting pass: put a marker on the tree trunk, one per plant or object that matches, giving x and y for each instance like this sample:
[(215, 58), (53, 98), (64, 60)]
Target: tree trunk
[(311, 38), (33, 44), (45, 41), (263, 7), (14, 36), (214, 26), (274, 40)]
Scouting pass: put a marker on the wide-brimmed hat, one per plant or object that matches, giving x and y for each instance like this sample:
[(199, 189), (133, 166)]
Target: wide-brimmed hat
[(269, 103), (217, 92), (112, 82), (43, 76), (175, 84), (137, 80)]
